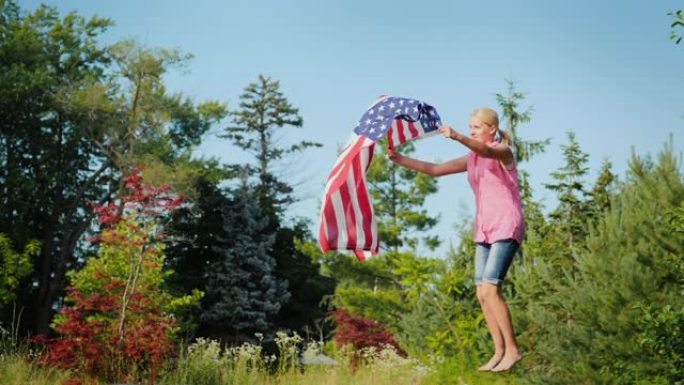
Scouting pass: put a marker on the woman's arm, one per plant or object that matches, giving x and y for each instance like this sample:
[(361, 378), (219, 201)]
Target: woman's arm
[(451, 167), (502, 152)]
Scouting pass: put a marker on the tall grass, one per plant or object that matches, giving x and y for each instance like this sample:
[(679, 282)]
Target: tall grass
[(16, 367), (206, 362)]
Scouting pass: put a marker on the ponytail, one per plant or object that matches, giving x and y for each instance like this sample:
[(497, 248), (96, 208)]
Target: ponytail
[(504, 137)]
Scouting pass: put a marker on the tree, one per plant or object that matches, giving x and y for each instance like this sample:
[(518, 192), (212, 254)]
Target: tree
[(13, 267), (677, 23), (263, 110), (572, 212), (243, 294), (79, 117), (523, 150), (595, 328), (602, 192), (192, 243), (44, 153), (117, 323), (399, 195), (513, 117)]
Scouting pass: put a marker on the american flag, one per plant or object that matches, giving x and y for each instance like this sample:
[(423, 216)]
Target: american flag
[(347, 220)]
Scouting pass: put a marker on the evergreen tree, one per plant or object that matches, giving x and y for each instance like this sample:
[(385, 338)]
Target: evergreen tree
[(263, 110), (304, 312), (399, 195), (602, 192), (614, 317), (512, 117), (677, 23), (386, 287), (192, 242), (242, 292), (571, 215)]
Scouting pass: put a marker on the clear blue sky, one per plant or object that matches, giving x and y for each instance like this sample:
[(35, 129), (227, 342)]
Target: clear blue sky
[(603, 69)]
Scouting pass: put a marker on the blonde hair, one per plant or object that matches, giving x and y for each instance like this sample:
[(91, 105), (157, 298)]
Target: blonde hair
[(491, 118)]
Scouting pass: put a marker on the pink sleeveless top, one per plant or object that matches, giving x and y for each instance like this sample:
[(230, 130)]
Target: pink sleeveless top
[(499, 212)]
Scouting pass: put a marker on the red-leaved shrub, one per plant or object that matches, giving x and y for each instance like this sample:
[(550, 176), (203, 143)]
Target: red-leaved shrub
[(362, 333), (114, 326)]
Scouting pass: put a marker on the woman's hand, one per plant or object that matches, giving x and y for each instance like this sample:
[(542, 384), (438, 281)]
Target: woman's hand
[(447, 131), (392, 154)]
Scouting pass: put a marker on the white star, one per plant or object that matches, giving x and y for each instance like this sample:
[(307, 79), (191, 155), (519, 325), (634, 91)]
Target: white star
[(397, 111), (371, 112), (401, 102), (391, 105), (415, 108), (368, 121), (381, 108)]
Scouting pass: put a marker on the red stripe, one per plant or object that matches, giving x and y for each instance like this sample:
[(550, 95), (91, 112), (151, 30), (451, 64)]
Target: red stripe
[(349, 215), (370, 156), (400, 129), (323, 237), (331, 222), (364, 201), (390, 142), (359, 255), (344, 162), (414, 131)]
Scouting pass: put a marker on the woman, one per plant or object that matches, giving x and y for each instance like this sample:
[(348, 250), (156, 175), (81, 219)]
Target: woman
[(499, 222)]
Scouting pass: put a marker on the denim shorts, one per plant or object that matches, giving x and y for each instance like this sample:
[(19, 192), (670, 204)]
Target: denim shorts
[(493, 260)]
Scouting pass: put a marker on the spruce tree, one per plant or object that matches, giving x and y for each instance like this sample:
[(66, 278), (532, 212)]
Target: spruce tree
[(570, 216), (242, 293)]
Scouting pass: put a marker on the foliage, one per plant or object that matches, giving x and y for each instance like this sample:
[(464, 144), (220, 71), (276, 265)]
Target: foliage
[(243, 294), (677, 23), (118, 323), (569, 184), (263, 110), (77, 115), (589, 326), (399, 195), (13, 267)]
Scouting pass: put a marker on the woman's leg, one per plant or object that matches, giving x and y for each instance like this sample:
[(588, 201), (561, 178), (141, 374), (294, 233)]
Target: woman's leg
[(481, 257), (502, 315), (499, 259), (494, 331)]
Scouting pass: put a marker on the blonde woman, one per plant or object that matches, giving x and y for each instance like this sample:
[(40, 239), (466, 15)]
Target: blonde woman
[(499, 224)]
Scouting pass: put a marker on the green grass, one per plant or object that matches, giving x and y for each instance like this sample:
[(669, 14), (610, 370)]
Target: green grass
[(206, 363), (17, 370)]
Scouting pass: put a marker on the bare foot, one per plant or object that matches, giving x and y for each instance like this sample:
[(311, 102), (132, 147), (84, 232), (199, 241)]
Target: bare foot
[(491, 363), (507, 362)]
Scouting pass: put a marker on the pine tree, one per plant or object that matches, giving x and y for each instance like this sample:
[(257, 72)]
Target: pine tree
[(513, 117), (570, 216), (263, 110), (614, 317), (602, 192), (242, 292), (399, 195)]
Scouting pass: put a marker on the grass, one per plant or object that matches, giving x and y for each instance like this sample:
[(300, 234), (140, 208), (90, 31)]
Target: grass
[(205, 362)]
